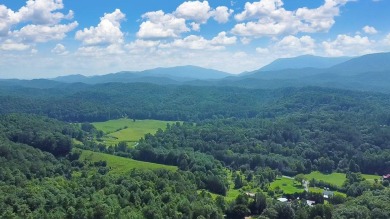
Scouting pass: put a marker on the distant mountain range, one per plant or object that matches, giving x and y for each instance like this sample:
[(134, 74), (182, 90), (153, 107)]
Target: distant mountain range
[(305, 61), (369, 72), (161, 75)]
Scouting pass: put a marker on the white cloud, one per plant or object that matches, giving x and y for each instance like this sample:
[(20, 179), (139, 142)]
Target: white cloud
[(142, 46), (261, 50), (38, 21), (348, 45), (303, 45), (41, 33), (59, 49), (386, 40), (194, 42), (43, 12), (245, 40), (159, 25), (269, 18), (221, 14), (101, 51), (7, 19), (106, 32), (9, 45), (194, 10), (195, 26), (222, 39), (369, 30), (288, 46)]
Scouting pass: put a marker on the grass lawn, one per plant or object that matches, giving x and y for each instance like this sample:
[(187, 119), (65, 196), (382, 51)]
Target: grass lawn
[(334, 178), (287, 185), (371, 178), (121, 165), (319, 190), (116, 132), (337, 178)]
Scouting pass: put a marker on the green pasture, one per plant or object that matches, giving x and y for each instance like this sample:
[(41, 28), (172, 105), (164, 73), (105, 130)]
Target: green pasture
[(289, 186), (336, 178), (128, 130), (121, 165)]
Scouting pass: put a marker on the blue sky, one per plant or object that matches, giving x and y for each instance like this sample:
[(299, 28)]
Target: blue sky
[(48, 38)]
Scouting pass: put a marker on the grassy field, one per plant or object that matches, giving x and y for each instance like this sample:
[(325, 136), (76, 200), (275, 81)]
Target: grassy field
[(128, 130), (287, 185), (120, 165), (337, 178), (319, 190), (371, 178), (334, 178)]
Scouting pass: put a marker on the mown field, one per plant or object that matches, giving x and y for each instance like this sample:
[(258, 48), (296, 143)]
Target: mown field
[(128, 130), (337, 178), (121, 165), (288, 185)]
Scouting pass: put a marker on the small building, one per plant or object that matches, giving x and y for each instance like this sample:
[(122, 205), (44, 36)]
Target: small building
[(282, 199), (327, 194), (310, 203), (252, 195), (387, 176)]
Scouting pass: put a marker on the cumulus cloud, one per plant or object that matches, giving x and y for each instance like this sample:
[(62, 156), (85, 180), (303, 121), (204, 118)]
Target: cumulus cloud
[(222, 39), (262, 50), (59, 49), (348, 45), (100, 51), (39, 21), (221, 14), (201, 12), (43, 12), (9, 45), (194, 10), (386, 40), (303, 45), (160, 25), (142, 46), (369, 30), (195, 26), (194, 42), (270, 18), (41, 33), (289, 46), (108, 31)]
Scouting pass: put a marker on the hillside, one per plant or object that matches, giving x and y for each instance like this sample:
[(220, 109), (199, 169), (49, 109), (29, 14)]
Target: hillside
[(173, 75), (305, 61), (377, 62)]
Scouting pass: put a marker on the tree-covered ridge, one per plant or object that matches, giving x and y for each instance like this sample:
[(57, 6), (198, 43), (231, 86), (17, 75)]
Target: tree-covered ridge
[(37, 184), (141, 101), (286, 131), (292, 140), (43, 133)]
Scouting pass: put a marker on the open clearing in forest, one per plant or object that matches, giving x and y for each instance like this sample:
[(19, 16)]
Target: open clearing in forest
[(288, 185), (336, 178), (121, 165), (128, 130)]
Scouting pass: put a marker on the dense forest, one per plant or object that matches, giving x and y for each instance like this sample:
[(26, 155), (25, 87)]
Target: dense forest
[(257, 135)]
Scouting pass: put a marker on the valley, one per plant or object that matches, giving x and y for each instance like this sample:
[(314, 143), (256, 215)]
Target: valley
[(146, 150)]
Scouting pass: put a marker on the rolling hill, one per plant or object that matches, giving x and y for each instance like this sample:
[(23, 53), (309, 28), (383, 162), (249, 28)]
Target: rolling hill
[(172, 75), (305, 61)]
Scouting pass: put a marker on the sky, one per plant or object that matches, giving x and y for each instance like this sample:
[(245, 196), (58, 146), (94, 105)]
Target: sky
[(50, 38)]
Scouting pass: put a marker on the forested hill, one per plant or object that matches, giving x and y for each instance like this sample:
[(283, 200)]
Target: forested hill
[(187, 103), (231, 141)]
